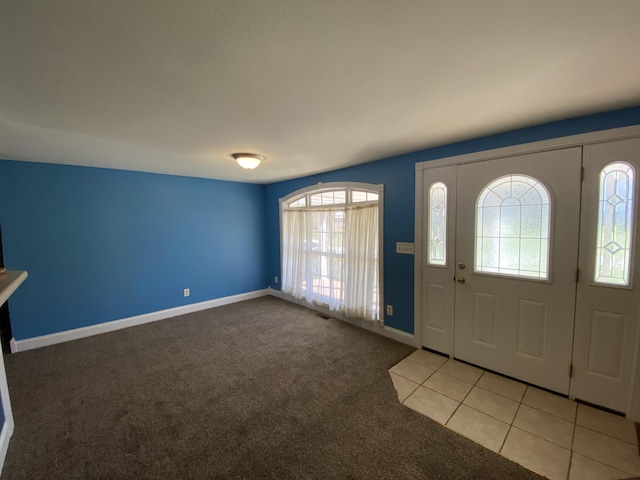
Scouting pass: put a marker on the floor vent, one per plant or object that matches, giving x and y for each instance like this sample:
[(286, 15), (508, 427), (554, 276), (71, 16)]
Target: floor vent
[(322, 315)]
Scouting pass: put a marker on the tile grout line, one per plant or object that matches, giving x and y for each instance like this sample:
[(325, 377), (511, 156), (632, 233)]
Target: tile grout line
[(616, 467), (465, 397), (412, 392), (575, 423), (459, 403), (418, 385), (548, 413), (520, 402), (607, 435), (504, 396), (407, 378), (511, 423), (571, 451), (452, 413), (511, 426), (573, 439), (467, 365)]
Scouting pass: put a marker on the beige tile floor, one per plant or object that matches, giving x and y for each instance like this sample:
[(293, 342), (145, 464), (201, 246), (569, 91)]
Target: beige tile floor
[(547, 433)]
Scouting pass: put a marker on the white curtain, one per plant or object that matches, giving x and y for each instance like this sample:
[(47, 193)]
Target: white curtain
[(294, 261), (330, 257), (361, 262)]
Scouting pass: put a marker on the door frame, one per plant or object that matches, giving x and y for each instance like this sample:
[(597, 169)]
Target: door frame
[(526, 148)]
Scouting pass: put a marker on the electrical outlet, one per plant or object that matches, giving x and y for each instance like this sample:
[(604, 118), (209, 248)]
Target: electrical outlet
[(275, 279), (390, 310), (186, 292)]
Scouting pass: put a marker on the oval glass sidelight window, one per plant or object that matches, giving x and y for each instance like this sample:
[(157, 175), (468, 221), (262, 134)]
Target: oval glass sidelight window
[(437, 225), (615, 224)]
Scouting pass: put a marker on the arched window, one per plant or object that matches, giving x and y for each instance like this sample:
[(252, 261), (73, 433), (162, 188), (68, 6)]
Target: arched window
[(615, 224), (513, 227), (437, 233), (331, 247)]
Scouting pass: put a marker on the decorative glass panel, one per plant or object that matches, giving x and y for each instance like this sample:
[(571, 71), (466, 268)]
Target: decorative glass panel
[(437, 224), (615, 224), (512, 228)]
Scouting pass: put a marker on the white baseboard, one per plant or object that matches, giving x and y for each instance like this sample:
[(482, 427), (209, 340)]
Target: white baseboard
[(400, 336), (390, 332), (5, 436), (76, 333), (7, 428)]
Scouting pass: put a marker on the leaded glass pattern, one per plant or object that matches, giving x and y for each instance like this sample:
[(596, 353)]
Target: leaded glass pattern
[(513, 228), (437, 224), (615, 224)]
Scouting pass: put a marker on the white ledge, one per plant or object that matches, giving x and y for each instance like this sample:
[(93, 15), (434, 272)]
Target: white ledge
[(9, 282)]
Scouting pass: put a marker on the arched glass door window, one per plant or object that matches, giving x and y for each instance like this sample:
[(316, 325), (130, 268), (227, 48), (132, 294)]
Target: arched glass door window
[(437, 233), (615, 224), (513, 228)]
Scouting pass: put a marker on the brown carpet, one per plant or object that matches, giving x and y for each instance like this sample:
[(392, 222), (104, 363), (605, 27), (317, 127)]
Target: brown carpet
[(262, 389)]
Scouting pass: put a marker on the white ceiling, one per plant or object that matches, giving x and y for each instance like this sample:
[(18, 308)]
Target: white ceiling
[(176, 86)]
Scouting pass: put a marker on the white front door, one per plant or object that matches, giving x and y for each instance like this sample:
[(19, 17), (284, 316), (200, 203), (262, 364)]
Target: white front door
[(439, 258), (606, 320), (516, 256)]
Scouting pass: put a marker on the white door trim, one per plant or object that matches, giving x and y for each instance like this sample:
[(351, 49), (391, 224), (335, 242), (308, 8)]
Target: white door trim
[(526, 148)]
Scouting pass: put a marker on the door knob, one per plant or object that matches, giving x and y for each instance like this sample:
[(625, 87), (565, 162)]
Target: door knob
[(460, 280)]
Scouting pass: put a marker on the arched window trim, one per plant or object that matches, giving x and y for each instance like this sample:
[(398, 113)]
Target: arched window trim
[(431, 261), (549, 262), (347, 187), (601, 280)]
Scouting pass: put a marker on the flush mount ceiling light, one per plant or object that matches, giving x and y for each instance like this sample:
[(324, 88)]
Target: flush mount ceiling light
[(248, 160)]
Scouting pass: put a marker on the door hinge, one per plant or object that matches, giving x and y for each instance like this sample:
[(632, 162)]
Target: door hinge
[(581, 174), (571, 370)]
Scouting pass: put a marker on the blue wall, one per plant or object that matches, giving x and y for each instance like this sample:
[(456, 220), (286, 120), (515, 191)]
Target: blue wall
[(398, 176), (102, 245)]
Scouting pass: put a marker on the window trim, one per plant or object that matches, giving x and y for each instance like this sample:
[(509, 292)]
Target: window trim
[(324, 187), (348, 187)]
